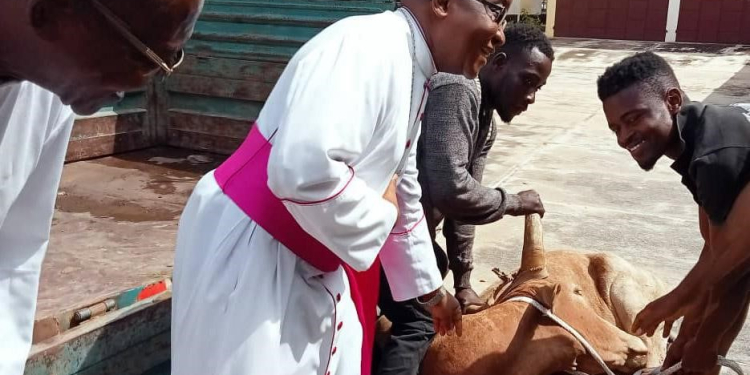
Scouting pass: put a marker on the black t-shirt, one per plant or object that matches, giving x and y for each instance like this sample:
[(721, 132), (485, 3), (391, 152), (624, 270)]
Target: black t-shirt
[(715, 162)]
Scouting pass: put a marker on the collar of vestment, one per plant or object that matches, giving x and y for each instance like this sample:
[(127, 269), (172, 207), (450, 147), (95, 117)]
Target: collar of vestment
[(423, 57)]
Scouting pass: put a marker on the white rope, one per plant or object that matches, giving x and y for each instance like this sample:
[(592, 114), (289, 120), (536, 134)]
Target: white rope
[(546, 312), (734, 366)]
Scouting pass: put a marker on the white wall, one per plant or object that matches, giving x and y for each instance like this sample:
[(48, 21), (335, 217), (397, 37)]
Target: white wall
[(551, 14), (673, 15), (531, 6)]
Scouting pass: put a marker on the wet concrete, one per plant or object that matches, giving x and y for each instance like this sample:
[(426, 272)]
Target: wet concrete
[(115, 224), (597, 198)]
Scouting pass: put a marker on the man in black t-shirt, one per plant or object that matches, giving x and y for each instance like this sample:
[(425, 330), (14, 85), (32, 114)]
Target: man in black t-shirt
[(710, 145)]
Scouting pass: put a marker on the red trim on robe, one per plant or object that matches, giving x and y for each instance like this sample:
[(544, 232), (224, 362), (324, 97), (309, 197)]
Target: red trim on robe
[(243, 178)]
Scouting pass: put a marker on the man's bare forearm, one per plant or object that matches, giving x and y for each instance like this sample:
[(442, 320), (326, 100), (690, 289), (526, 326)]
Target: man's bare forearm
[(721, 314), (694, 285)]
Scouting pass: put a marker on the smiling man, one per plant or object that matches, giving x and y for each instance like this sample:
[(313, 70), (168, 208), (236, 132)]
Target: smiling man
[(279, 249), (652, 117), (459, 132), (54, 53)]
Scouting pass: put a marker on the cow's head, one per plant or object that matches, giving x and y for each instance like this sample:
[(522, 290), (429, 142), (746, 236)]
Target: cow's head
[(574, 299)]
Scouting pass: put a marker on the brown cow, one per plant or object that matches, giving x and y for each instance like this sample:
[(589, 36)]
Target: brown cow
[(597, 294)]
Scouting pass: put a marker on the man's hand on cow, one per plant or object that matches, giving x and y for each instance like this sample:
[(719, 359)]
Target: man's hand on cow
[(446, 315), (525, 203), (668, 309)]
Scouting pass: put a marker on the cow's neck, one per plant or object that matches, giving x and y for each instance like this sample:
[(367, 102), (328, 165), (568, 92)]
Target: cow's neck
[(530, 344)]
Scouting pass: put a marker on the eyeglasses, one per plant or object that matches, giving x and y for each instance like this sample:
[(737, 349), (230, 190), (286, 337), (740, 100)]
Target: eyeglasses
[(123, 29), (496, 12)]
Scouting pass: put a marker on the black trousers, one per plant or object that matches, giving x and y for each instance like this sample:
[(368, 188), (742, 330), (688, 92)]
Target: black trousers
[(412, 331)]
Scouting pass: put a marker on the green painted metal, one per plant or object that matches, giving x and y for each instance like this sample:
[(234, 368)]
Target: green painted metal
[(238, 51), (130, 340)]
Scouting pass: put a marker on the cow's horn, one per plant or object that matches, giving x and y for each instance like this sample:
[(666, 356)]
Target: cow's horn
[(532, 258)]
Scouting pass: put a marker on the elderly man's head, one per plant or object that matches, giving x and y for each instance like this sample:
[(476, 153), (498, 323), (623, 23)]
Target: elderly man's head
[(87, 51), (462, 34)]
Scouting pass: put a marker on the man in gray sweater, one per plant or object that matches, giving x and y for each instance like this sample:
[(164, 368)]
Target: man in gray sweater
[(458, 131)]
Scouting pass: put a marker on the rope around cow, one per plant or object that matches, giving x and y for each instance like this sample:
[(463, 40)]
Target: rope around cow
[(652, 371), (734, 366)]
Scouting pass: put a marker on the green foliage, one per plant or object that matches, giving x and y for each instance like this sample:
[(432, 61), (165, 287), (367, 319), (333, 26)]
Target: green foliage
[(530, 19)]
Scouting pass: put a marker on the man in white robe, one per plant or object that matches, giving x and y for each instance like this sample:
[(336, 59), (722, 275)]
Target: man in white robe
[(279, 249), (34, 131), (72, 49)]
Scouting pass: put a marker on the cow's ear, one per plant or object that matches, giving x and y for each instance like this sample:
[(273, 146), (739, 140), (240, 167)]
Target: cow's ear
[(548, 294)]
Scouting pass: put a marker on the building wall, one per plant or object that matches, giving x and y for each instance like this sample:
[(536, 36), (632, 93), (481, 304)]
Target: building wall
[(551, 13), (707, 21), (531, 6)]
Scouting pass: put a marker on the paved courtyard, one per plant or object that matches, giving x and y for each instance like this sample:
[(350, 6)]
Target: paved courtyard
[(596, 197), (116, 217)]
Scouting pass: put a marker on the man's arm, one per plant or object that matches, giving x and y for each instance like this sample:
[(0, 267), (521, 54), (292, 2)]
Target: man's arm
[(683, 300), (725, 196), (451, 119), (693, 284), (408, 258), (720, 324), (730, 242), (724, 277)]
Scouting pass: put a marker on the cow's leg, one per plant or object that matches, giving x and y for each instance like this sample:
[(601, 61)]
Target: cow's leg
[(629, 296), (619, 350)]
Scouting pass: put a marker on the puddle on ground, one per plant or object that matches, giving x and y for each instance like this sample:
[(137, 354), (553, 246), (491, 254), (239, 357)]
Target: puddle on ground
[(117, 209)]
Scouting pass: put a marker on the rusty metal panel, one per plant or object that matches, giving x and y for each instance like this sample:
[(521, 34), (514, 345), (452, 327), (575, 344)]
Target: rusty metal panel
[(219, 134), (108, 134), (124, 342), (612, 19), (714, 21), (238, 51), (126, 126)]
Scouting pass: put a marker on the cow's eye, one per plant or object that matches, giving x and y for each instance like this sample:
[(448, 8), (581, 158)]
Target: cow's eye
[(578, 291)]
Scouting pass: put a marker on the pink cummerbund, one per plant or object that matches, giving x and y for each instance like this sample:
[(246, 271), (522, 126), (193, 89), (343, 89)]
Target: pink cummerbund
[(243, 177)]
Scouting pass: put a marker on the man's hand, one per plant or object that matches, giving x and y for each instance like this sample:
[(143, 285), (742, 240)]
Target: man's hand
[(525, 203), (446, 315), (667, 309), (390, 192)]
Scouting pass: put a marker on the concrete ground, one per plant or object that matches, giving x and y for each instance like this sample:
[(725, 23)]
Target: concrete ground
[(597, 199), (115, 224), (116, 217)]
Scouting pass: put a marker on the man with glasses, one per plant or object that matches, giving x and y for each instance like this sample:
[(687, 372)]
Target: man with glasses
[(279, 249), (458, 132), (53, 53)]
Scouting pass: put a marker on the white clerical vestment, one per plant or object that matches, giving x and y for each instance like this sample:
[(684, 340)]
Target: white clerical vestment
[(341, 121), (34, 131)]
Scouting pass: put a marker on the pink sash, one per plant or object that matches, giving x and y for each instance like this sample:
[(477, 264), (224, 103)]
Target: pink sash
[(243, 178)]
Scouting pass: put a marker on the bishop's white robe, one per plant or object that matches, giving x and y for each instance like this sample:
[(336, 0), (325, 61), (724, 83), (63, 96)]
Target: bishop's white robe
[(342, 120), (34, 131)]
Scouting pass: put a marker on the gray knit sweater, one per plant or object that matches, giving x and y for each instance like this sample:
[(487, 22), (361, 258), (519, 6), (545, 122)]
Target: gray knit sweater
[(457, 134)]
